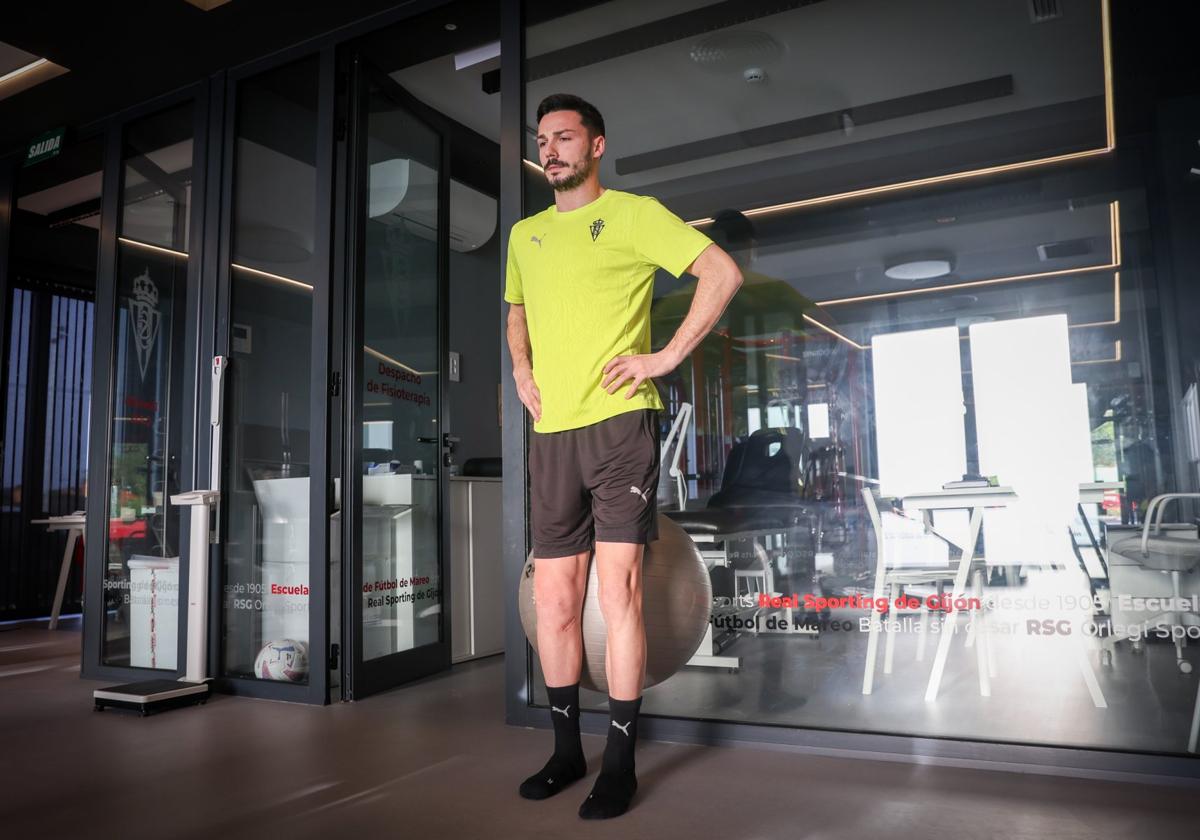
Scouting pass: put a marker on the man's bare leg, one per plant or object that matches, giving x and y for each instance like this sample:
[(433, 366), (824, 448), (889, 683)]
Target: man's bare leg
[(619, 569), (559, 584)]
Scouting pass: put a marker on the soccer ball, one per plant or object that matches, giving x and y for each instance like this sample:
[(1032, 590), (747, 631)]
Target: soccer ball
[(283, 659)]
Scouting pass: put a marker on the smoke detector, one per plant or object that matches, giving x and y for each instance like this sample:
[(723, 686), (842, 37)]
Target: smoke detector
[(754, 74)]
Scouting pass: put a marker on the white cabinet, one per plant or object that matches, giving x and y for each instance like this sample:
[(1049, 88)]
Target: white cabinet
[(477, 580)]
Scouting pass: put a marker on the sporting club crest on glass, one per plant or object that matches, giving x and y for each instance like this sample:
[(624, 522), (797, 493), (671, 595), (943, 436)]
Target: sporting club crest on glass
[(143, 312), (597, 226)]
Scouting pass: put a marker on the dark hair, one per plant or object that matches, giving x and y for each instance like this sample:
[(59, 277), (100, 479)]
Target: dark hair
[(732, 230), (588, 114)]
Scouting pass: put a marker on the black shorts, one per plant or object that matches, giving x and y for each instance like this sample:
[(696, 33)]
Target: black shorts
[(597, 483)]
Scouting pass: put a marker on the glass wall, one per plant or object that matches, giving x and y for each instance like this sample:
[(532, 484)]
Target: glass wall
[(142, 568), (268, 399), (949, 370)]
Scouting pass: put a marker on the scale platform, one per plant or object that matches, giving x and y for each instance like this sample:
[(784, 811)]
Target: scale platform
[(151, 696)]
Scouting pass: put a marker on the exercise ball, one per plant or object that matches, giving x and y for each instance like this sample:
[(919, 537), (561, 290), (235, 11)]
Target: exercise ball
[(676, 604)]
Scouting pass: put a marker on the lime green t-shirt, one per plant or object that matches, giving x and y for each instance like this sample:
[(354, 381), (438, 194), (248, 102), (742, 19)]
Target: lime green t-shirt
[(586, 279)]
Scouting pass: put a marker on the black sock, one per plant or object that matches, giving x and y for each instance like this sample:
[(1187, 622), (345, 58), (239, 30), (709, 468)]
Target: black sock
[(567, 765), (617, 782)]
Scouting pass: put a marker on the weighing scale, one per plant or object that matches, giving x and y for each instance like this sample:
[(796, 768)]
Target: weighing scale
[(150, 696)]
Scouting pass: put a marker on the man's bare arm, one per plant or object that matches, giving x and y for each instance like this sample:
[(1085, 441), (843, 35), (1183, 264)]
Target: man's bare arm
[(522, 359), (718, 280)]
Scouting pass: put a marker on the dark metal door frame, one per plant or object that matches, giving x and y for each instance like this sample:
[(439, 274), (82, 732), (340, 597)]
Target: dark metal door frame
[(360, 679), (316, 690)]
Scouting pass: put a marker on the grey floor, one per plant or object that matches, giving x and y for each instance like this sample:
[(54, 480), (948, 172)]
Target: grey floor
[(435, 760)]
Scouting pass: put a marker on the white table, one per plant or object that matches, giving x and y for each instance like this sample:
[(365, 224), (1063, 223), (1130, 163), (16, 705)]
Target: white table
[(73, 524), (1092, 492), (976, 500)]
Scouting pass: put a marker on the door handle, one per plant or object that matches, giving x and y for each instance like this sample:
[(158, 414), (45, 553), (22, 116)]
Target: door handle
[(448, 441)]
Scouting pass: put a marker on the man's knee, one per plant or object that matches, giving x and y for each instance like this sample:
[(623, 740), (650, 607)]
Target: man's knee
[(557, 600), (618, 597)]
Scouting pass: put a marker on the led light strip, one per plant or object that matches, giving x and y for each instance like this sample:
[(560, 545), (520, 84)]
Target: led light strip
[(834, 333), (278, 278), (127, 241), (21, 71), (1110, 135), (1114, 262), (1116, 308)]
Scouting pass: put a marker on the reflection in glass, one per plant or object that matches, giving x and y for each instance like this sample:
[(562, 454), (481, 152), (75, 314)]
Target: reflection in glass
[(267, 391), (960, 397), (142, 567), (400, 435)]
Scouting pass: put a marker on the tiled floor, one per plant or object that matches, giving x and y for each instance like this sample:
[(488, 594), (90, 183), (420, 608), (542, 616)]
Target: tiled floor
[(436, 760)]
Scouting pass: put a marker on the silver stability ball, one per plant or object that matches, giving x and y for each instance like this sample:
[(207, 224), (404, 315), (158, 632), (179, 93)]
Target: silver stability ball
[(676, 604)]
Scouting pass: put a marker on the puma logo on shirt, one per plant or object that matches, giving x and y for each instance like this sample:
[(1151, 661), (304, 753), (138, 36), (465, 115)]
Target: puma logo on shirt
[(537, 239), (624, 729)]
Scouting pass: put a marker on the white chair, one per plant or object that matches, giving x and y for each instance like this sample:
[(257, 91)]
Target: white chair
[(1166, 551), (678, 438), (1170, 552), (889, 583)]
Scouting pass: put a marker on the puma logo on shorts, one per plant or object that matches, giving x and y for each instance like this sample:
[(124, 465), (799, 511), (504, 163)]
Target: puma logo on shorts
[(585, 484)]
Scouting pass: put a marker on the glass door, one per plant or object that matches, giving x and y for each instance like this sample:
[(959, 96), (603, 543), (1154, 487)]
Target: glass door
[(396, 447), (273, 328)]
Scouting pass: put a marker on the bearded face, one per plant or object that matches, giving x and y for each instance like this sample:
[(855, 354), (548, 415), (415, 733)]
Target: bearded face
[(567, 175), (567, 150)]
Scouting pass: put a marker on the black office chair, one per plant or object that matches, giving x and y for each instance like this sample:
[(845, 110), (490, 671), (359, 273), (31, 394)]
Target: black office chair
[(760, 488)]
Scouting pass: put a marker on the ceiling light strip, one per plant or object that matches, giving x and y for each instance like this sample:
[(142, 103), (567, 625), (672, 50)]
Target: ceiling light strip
[(1106, 44), (279, 278), (1110, 144), (1115, 262), (1117, 297), (21, 71), (1064, 272), (905, 185), (1115, 229), (127, 241), (834, 333)]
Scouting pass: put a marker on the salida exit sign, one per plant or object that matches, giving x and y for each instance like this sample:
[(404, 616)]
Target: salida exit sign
[(44, 146)]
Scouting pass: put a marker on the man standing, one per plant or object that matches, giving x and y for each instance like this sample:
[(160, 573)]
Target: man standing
[(580, 280)]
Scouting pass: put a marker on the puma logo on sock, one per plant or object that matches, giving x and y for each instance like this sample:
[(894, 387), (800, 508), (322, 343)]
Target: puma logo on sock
[(640, 493), (562, 712), (624, 729)]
